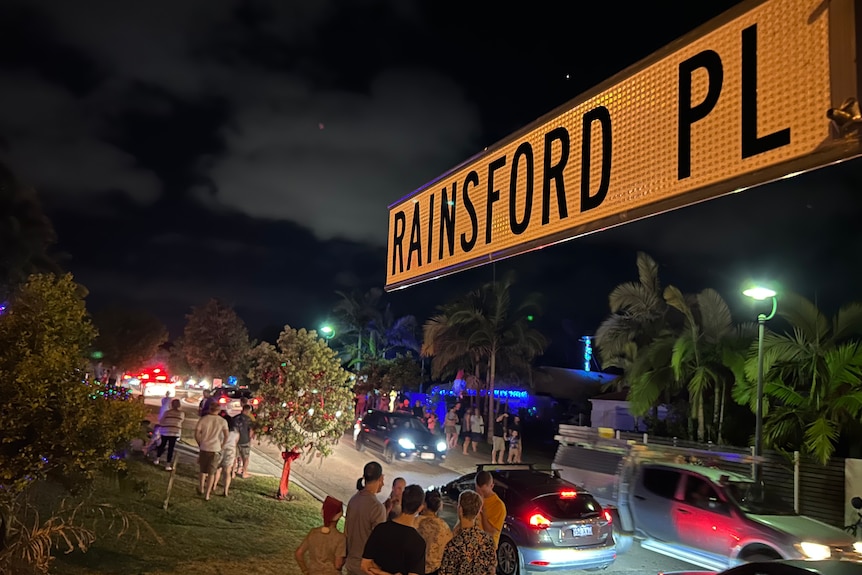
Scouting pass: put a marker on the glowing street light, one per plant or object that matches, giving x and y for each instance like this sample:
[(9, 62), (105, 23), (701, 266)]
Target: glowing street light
[(327, 331), (760, 293)]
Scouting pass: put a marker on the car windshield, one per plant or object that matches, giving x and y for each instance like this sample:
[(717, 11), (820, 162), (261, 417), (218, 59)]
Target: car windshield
[(407, 423), (752, 498), (582, 506)]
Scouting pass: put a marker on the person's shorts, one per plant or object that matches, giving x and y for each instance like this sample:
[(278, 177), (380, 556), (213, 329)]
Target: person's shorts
[(476, 437), (209, 461), (499, 444), (244, 450), (449, 429), (464, 434), (228, 458)]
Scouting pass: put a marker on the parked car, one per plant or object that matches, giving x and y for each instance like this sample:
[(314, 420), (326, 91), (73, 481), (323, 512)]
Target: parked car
[(399, 436), (551, 524), (707, 516), (231, 398)]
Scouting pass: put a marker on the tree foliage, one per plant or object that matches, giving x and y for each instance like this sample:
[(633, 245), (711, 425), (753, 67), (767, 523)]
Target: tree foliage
[(128, 338), (215, 340), (307, 398), (400, 373), (52, 426), (484, 329), (812, 378)]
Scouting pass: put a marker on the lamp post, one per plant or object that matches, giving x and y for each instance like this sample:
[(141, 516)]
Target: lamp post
[(760, 294), (327, 331)]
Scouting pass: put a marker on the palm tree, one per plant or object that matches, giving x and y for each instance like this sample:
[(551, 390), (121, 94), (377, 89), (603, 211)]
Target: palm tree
[(699, 356), (638, 316), (481, 329), (812, 378), (357, 312)]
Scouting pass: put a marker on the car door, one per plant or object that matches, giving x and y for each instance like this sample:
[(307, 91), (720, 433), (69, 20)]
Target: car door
[(371, 430), (653, 498), (703, 518)]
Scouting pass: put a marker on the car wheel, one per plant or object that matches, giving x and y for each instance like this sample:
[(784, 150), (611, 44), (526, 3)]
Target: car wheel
[(388, 456), (359, 444), (508, 562)]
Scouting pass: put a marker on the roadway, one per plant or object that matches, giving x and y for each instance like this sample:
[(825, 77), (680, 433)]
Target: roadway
[(336, 475)]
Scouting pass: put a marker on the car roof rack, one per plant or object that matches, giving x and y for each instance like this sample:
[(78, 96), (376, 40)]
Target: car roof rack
[(593, 438)]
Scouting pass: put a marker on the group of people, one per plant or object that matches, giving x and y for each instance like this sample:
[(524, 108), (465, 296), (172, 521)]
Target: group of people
[(224, 441), (424, 543)]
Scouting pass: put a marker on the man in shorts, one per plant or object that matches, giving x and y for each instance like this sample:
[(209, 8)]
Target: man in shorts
[(211, 434), (242, 424)]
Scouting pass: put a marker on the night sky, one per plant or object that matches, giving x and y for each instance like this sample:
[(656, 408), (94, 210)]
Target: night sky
[(248, 150)]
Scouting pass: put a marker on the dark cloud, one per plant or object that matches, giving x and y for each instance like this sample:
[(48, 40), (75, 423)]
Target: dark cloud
[(248, 149)]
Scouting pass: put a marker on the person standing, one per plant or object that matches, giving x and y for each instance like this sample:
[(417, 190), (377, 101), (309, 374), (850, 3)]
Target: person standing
[(466, 423), (471, 551), (322, 550), (166, 404), (493, 512), (498, 449), (477, 429), (450, 426), (211, 435), (434, 531), (393, 504), (364, 513), (395, 546), (171, 427), (242, 423)]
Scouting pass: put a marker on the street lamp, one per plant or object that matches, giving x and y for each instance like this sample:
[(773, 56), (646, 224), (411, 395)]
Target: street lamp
[(327, 331), (760, 294)]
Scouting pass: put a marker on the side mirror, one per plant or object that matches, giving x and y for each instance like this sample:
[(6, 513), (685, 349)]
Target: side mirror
[(856, 502)]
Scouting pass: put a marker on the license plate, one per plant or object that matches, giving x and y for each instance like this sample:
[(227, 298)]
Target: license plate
[(582, 531), (427, 456)]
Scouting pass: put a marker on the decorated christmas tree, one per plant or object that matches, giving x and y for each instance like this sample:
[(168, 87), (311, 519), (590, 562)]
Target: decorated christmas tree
[(307, 398)]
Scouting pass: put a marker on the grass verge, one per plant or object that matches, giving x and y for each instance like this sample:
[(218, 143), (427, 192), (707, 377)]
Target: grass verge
[(249, 531)]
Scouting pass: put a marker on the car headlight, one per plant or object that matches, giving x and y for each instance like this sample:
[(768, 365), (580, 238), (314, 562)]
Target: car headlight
[(441, 446), (857, 546), (814, 550), (406, 443)]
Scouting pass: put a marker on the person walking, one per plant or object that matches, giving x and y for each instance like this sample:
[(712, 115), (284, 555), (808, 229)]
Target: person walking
[(395, 546), (471, 551), (323, 549), (211, 434), (364, 513), (171, 428)]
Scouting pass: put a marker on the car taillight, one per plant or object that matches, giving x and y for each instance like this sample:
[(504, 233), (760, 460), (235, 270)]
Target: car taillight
[(568, 494), (222, 400), (539, 521), (608, 517)]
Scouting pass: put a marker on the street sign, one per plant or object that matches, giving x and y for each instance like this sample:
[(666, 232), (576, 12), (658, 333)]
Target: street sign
[(739, 102)]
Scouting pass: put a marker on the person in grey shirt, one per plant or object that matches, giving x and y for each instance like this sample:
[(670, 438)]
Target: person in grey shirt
[(364, 513)]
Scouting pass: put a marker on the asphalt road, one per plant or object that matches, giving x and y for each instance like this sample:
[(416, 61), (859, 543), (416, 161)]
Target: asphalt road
[(337, 474)]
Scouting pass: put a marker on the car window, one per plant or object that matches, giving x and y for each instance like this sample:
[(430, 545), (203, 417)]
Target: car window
[(371, 420), (661, 482), (580, 506), (700, 493)]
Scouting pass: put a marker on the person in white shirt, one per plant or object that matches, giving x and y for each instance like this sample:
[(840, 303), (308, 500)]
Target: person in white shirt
[(211, 434)]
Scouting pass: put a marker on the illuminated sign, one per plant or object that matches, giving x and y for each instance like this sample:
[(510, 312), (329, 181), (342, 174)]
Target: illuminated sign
[(740, 102)]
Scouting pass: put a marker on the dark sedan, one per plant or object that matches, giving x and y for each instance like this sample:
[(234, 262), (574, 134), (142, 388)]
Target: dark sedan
[(399, 436)]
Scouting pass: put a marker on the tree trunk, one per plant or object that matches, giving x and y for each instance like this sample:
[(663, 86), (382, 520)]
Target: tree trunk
[(283, 486), (701, 424), (723, 402), (359, 351)]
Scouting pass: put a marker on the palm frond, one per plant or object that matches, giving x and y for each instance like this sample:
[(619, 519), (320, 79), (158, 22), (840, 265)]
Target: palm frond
[(716, 320), (648, 272), (804, 315), (847, 322), (635, 299), (821, 435)]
